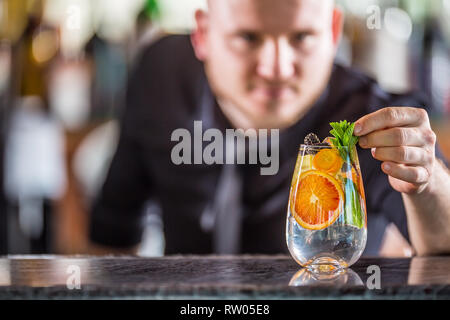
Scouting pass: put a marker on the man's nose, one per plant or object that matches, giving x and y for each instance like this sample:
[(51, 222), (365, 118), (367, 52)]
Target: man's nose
[(276, 60)]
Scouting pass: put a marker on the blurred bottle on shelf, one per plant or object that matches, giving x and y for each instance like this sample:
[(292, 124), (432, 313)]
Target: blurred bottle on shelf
[(13, 19), (34, 163)]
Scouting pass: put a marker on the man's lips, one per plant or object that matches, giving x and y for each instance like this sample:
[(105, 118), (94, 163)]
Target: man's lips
[(273, 92)]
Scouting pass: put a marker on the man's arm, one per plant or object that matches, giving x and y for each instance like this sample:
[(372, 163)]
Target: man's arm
[(116, 217), (401, 137), (429, 214)]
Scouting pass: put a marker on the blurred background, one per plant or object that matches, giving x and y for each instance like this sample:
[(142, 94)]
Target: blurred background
[(63, 70)]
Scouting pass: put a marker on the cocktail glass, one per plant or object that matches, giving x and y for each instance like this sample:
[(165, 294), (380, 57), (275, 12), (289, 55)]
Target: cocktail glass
[(326, 228)]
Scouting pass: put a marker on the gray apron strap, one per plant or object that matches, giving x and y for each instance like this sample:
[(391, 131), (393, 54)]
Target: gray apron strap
[(228, 212), (222, 217)]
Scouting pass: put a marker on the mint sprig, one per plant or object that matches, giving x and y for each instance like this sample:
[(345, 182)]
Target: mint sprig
[(344, 140)]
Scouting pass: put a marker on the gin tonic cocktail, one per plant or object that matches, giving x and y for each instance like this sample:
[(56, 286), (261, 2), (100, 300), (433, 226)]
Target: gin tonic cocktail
[(326, 226)]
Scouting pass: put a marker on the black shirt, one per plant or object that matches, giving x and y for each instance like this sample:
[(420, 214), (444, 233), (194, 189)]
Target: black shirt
[(168, 90)]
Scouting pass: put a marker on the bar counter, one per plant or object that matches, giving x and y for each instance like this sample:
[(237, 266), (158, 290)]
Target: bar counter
[(217, 277)]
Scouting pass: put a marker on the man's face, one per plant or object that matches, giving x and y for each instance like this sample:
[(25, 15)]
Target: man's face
[(266, 60)]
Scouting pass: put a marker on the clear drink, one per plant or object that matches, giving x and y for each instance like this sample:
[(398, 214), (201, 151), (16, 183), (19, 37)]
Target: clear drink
[(326, 227)]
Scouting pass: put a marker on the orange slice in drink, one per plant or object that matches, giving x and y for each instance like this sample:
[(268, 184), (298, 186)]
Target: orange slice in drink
[(328, 160), (328, 140), (318, 200), (358, 181)]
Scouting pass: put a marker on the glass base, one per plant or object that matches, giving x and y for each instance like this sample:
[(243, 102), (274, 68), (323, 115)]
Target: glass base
[(341, 277), (326, 265)]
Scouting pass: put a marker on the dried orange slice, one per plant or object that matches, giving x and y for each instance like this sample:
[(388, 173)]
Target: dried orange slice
[(328, 160), (318, 200)]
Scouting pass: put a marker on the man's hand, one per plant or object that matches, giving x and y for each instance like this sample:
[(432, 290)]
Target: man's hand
[(402, 138)]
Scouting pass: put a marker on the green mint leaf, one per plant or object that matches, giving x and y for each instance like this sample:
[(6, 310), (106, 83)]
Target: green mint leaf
[(353, 140), (333, 133), (343, 153), (345, 125), (335, 142), (343, 133), (336, 126), (351, 128), (346, 138)]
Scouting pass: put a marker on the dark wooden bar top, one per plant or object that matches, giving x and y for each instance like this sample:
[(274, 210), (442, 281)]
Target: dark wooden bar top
[(216, 277)]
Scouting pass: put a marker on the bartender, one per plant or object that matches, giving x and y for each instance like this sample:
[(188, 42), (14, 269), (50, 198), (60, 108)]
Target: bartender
[(263, 64)]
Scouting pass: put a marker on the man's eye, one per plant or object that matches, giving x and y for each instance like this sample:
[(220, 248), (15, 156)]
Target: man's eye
[(301, 36), (249, 37)]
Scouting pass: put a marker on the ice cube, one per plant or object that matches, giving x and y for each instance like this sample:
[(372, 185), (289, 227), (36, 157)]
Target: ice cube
[(312, 139)]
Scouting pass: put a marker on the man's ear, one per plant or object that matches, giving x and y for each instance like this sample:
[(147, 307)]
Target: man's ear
[(199, 35), (337, 26)]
